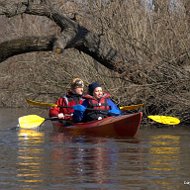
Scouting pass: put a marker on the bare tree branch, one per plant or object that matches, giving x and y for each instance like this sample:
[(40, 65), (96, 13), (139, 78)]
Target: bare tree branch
[(73, 35), (24, 45)]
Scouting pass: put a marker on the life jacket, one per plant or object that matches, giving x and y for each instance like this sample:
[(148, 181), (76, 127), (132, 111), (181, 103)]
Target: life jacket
[(99, 107), (69, 100)]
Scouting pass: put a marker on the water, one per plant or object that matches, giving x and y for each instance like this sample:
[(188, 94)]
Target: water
[(158, 158)]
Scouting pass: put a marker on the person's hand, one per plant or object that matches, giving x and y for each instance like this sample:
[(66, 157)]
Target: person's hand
[(79, 107), (60, 116)]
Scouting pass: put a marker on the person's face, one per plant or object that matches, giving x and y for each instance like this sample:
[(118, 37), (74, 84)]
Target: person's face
[(78, 90), (98, 93)]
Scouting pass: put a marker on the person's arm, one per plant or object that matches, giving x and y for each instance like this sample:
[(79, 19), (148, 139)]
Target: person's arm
[(56, 111), (114, 110)]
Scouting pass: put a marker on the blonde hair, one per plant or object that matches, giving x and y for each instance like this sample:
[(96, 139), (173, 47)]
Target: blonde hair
[(77, 83)]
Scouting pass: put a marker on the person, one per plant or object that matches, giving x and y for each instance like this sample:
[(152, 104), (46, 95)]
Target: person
[(96, 106), (73, 97)]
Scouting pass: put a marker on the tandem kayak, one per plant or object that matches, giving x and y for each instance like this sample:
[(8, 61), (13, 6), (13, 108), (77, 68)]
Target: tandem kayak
[(115, 126)]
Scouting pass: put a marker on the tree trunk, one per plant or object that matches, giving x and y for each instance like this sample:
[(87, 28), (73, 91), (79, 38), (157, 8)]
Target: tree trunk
[(24, 45)]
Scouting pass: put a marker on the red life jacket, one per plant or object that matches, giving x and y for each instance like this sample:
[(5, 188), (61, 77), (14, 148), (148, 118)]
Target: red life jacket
[(100, 107), (98, 104), (68, 100)]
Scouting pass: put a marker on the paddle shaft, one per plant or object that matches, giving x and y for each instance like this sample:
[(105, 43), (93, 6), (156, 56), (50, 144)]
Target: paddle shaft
[(91, 109), (45, 104), (54, 105), (51, 118)]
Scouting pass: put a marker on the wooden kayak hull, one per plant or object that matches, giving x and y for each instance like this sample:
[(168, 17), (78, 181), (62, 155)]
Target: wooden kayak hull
[(120, 126)]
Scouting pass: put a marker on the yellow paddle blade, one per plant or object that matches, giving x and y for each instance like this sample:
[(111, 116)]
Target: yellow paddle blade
[(43, 104), (30, 121), (167, 120), (131, 107)]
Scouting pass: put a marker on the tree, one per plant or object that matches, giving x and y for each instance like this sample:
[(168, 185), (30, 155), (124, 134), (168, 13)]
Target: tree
[(72, 35), (145, 51)]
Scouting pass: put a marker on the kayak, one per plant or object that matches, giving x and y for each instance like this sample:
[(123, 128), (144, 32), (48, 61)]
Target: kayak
[(115, 126)]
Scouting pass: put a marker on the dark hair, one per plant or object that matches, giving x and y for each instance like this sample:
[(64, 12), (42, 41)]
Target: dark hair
[(92, 86)]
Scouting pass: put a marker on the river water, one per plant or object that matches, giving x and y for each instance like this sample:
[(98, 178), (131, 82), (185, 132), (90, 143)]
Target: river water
[(158, 158)]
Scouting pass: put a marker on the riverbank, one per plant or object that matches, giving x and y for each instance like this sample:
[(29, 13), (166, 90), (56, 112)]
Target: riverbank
[(154, 55)]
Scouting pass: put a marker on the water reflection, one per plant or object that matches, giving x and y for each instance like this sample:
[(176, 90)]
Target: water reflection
[(164, 155), (86, 160), (67, 162), (157, 159), (30, 158)]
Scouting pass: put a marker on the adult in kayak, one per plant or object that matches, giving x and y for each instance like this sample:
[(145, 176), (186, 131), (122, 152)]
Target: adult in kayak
[(96, 106), (73, 97)]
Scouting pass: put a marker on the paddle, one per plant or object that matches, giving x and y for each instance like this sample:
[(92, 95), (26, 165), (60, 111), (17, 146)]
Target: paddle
[(131, 107), (45, 104), (167, 120), (32, 121)]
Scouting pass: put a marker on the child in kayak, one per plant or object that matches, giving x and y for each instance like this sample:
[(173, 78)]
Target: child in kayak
[(96, 106)]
